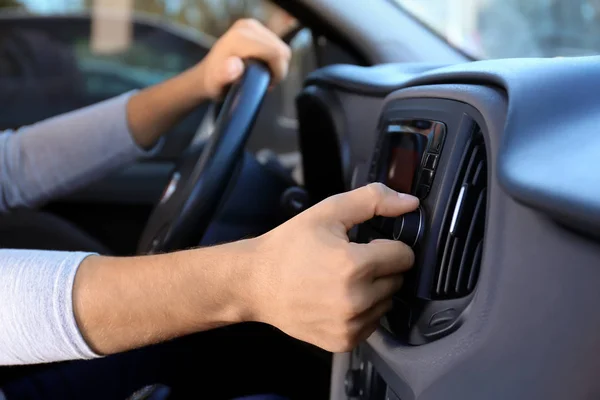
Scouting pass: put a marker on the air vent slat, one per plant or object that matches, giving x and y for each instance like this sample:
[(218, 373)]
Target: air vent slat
[(459, 207), (470, 246), (479, 173), (463, 227), (473, 161), (457, 246), (443, 266), (475, 268)]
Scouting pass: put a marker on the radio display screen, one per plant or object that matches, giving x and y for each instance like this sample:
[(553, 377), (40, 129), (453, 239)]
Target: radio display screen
[(405, 152)]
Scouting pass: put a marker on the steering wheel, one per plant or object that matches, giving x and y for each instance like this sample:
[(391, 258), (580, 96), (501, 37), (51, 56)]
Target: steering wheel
[(198, 184)]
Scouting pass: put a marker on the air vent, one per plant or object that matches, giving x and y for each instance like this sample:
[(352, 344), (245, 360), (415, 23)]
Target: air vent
[(461, 240)]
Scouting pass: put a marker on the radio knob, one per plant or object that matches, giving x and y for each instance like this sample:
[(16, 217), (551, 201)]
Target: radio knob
[(409, 228)]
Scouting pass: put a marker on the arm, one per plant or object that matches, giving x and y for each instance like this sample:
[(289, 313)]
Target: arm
[(303, 277), (64, 153)]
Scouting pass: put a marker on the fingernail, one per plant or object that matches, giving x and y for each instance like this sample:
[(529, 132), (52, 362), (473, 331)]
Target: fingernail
[(406, 196)]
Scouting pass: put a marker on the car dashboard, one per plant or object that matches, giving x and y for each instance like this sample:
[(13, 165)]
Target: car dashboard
[(502, 300)]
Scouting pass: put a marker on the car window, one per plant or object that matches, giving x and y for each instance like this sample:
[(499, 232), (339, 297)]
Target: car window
[(57, 56), (514, 28)]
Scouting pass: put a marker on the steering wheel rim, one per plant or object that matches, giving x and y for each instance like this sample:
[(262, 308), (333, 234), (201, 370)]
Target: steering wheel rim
[(198, 184)]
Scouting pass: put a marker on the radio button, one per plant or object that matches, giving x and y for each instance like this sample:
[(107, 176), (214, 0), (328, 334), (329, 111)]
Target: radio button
[(431, 161), (423, 191), (436, 138), (426, 177)]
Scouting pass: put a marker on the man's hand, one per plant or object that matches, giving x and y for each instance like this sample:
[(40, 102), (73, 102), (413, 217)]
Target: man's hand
[(155, 110), (317, 286), (304, 277), (247, 38)]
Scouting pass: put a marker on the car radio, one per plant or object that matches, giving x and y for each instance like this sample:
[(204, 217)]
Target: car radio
[(446, 231), (405, 159), (406, 155)]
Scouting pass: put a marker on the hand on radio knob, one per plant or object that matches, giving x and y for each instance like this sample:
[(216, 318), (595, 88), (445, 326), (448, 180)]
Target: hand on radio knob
[(317, 286)]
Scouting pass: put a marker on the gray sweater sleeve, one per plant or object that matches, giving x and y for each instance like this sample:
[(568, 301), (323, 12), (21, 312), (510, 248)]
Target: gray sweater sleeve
[(61, 154), (51, 158)]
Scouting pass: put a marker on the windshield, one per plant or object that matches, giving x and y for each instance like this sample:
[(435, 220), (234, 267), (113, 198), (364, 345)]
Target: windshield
[(513, 28)]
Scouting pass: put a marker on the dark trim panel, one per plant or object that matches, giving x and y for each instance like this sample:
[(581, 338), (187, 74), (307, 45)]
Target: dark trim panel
[(140, 184)]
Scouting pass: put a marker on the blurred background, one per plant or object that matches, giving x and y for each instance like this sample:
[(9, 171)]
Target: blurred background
[(514, 28), (59, 55), (483, 28)]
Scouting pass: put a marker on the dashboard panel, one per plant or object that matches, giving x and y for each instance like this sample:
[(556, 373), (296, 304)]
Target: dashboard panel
[(511, 207), (544, 119)]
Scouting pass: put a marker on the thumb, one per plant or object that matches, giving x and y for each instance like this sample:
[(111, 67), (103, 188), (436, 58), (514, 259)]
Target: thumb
[(234, 68), (374, 199)]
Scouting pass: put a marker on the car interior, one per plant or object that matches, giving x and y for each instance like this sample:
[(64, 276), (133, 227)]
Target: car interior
[(500, 303)]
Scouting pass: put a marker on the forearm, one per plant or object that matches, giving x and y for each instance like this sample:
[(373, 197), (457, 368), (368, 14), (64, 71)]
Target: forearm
[(125, 303), (63, 153), (57, 306), (303, 277), (153, 111)]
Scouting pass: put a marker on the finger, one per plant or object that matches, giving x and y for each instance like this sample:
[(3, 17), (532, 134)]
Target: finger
[(234, 69), (386, 257), (375, 292), (367, 331), (362, 204), (273, 38), (265, 46), (368, 322), (268, 53), (383, 289), (231, 72)]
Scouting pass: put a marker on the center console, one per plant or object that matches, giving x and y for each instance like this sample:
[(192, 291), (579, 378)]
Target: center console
[(436, 148), (433, 149)]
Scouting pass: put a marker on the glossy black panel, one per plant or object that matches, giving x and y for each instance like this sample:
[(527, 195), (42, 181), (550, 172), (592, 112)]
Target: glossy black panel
[(402, 151)]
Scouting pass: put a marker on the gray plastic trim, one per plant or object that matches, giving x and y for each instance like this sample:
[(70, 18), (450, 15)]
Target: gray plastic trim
[(549, 151), (532, 330)]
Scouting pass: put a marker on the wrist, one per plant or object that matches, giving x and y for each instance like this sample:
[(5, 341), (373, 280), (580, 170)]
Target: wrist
[(249, 280), (195, 83), (236, 284), (259, 280)]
